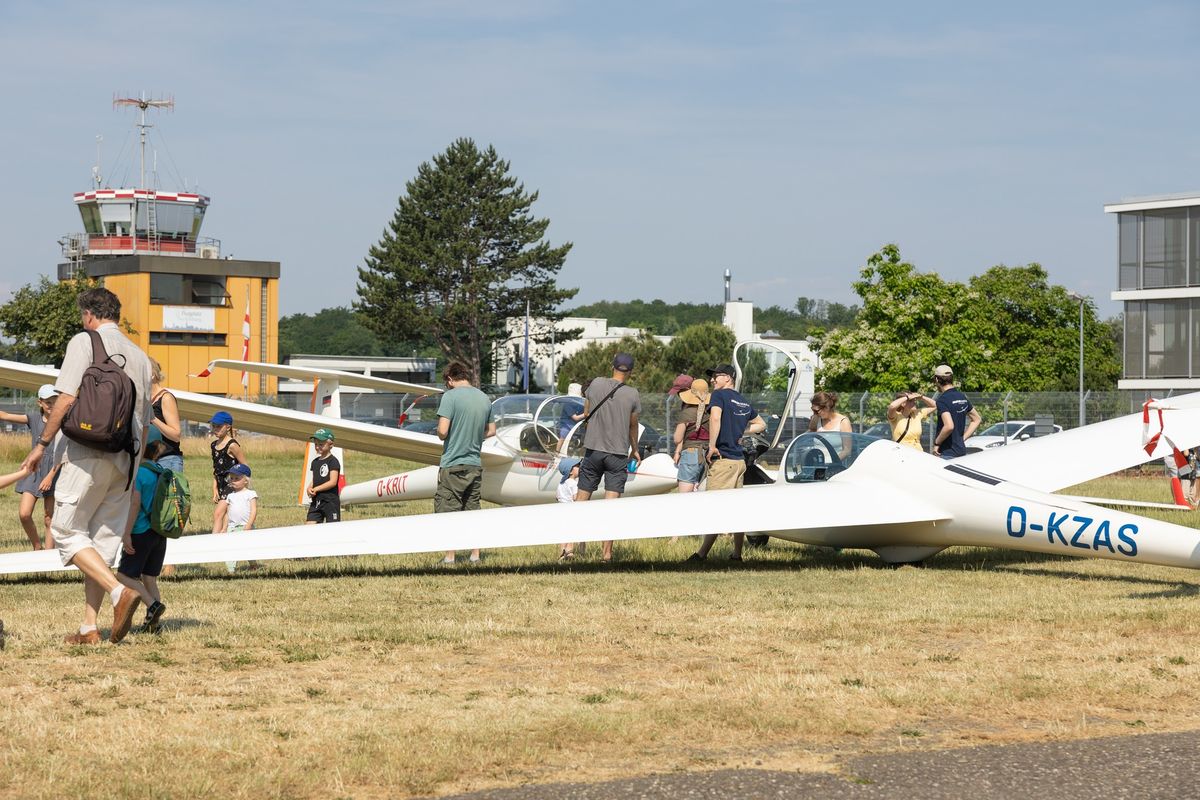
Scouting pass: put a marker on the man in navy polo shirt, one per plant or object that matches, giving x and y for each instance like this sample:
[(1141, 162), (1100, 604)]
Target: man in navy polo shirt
[(731, 418)]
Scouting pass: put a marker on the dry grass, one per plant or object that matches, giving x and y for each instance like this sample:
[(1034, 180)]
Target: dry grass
[(384, 677)]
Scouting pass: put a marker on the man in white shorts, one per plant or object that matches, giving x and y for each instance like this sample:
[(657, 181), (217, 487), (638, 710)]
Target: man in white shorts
[(93, 499)]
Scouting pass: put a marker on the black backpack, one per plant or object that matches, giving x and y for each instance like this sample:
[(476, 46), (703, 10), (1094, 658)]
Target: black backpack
[(102, 414)]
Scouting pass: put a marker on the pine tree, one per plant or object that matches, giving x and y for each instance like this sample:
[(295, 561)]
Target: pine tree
[(462, 253)]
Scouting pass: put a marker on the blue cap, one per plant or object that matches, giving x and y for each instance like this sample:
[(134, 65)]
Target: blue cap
[(565, 466), (222, 418), (239, 469)]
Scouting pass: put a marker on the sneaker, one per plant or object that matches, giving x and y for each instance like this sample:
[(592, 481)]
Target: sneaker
[(474, 559), (154, 614), (735, 558), (695, 557)]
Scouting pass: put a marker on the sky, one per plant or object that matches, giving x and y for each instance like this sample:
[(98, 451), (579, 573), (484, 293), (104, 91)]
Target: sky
[(669, 141)]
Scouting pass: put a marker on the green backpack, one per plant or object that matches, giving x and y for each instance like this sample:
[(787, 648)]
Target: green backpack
[(172, 504)]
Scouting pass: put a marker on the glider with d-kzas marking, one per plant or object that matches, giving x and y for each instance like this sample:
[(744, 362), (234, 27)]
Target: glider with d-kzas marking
[(838, 490)]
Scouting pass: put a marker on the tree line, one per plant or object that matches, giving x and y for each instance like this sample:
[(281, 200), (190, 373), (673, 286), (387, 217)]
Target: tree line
[(463, 253)]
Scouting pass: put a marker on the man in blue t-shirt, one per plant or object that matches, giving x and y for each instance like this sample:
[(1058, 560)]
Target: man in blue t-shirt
[(730, 418), (957, 418)]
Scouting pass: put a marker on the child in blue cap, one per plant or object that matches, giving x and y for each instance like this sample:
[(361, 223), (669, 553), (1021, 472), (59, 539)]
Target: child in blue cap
[(225, 453), (568, 486), (243, 504)]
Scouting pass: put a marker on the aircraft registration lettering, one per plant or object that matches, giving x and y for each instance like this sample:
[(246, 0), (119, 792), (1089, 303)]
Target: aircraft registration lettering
[(1067, 530), (397, 484)]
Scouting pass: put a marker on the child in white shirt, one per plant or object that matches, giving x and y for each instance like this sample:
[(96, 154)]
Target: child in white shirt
[(568, 486), (243, 504)]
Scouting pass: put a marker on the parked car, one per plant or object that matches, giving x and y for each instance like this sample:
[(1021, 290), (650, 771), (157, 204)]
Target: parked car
[(883, 430), (1003, 433)]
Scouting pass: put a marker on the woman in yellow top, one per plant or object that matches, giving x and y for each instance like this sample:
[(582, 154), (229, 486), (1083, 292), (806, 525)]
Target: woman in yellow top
[(906, 417)]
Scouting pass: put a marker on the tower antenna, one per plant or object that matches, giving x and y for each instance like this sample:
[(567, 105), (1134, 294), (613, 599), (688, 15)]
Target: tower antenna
[(142, 103), (97, 178)]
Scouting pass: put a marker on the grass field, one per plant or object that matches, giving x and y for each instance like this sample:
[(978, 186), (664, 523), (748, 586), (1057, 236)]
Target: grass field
[(376, 677)]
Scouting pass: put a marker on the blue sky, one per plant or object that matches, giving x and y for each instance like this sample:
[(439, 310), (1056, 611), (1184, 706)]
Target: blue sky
[(669, 140)]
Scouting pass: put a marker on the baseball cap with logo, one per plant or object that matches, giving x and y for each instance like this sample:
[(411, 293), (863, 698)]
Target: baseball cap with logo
[(722, 369), (623, 362), (943, 371), (322, 435), (239, 469)]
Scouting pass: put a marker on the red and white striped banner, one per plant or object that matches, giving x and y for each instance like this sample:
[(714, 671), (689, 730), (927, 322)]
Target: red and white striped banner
[(246, 342), (1151, 440)]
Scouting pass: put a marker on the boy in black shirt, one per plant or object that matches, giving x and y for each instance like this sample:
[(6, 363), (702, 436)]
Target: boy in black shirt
[(326, 505)]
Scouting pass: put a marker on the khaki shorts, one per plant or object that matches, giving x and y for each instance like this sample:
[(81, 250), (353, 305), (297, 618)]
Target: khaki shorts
[(458, 488), (726, 473), (91, 506)]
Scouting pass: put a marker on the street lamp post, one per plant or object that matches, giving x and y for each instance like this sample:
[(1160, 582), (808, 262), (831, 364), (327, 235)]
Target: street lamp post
[(1081, 299)]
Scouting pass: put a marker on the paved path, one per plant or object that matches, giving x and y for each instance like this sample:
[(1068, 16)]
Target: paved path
[(1152, 765)]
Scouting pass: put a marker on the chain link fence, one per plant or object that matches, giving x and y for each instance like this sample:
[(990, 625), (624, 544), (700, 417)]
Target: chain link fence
[(866, 410)]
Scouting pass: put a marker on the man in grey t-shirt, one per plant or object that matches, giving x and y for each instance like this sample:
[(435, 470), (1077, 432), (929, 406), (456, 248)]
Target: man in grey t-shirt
[(611, 439)]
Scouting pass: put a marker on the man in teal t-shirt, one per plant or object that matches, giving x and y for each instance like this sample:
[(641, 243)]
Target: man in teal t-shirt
[(464, 420)]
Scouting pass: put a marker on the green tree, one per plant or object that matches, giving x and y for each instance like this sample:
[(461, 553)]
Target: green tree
[(755, 372), (699, 347), (595, 361), (1007, 329), (462, 254), (41, 318), (1037, 333), (331, 331), (665, 319)]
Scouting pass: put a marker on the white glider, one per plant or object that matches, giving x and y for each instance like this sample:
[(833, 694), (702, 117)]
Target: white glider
[(903, 504)]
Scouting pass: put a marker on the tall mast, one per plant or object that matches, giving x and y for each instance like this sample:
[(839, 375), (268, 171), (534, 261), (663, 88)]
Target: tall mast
[(142, 103)]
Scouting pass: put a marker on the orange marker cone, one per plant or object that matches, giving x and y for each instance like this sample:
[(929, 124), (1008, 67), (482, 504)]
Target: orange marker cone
[(1177, 493)]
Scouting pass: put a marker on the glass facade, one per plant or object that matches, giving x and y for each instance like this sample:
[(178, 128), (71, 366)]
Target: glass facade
[(1159, 249), (1162, 338)]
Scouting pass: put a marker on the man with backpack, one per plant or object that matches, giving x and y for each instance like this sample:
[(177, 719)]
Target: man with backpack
[(103, 407)]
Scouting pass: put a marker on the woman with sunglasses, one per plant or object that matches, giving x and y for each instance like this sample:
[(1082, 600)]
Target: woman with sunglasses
[(827, 420)]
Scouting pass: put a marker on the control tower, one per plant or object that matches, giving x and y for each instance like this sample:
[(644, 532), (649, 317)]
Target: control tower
[(186, 303)]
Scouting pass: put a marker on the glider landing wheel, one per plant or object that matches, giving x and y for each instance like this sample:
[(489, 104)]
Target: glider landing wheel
[(906, 555)]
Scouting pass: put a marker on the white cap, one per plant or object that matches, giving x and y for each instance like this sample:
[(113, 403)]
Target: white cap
[(47, 392), (943, 371)]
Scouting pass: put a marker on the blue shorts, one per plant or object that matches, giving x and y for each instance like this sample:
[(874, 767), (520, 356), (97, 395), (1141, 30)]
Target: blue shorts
[(149, 550), (173, 463), (691, 466)]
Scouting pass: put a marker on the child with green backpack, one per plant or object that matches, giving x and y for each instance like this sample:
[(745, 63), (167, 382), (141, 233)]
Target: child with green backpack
[(163, 506)]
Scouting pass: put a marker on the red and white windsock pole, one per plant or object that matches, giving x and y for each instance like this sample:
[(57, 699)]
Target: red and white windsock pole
[(1150, 440), (246, 345)]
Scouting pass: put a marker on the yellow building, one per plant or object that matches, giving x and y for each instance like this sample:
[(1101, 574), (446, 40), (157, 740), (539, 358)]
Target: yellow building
[(186, 304)]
